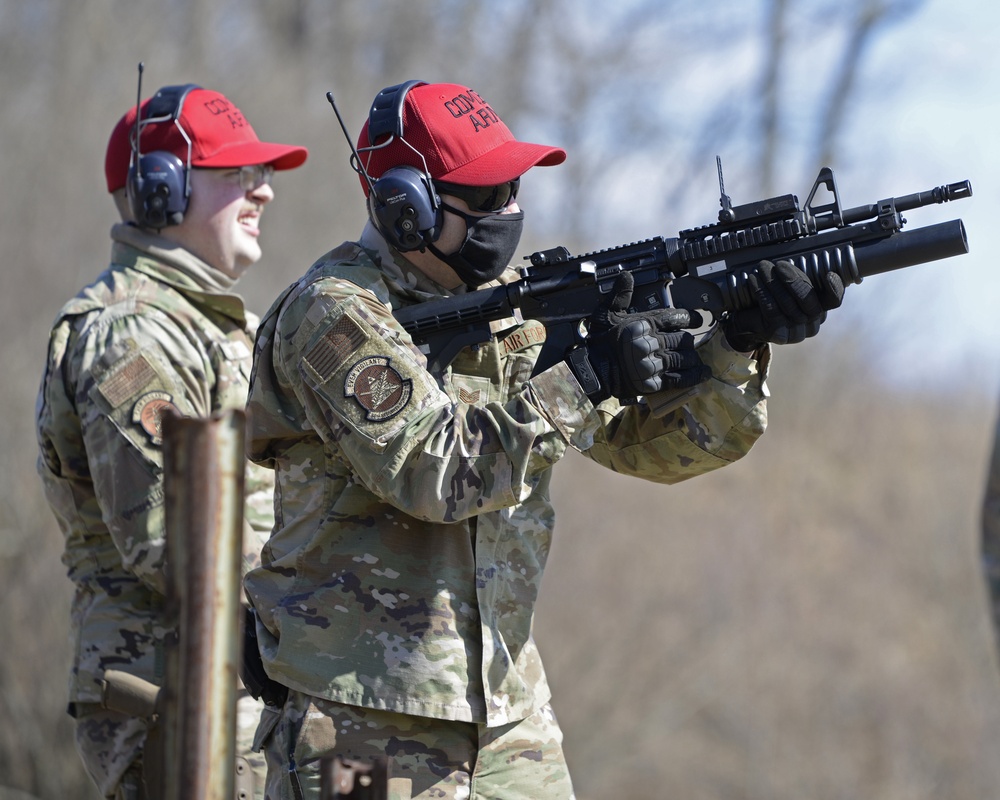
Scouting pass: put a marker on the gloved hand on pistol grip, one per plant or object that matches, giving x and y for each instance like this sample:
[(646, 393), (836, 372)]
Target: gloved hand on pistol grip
[(788, 308), (637, 354)]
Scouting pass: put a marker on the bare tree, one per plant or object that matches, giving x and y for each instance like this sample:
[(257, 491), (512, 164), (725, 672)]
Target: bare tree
[(849, 30), (870, 20)]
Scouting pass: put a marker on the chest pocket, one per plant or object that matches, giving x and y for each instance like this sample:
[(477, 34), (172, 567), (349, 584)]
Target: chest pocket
[(474, 377), (497, 370), (232, 361)]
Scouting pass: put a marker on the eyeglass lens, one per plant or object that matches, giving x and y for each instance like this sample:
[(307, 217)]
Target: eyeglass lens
[(483, 198), (254, 175)]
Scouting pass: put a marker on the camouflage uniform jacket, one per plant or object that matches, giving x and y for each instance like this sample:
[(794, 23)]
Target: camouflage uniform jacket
[(413, 518), (991, 531), (158, 328)]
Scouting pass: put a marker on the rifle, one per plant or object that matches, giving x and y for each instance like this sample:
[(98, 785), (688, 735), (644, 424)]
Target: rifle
[(705, 269)]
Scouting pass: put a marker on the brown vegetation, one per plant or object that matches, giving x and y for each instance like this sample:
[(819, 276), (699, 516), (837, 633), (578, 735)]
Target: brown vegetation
[(809, 622)]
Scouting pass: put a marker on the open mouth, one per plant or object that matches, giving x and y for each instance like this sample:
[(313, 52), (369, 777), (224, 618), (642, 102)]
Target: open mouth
[(250, 219)]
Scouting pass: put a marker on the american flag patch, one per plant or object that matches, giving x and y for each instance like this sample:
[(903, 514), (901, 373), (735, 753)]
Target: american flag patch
[(127, 381), (334, 346)]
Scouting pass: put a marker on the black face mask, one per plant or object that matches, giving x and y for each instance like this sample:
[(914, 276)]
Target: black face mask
[(489, 246)]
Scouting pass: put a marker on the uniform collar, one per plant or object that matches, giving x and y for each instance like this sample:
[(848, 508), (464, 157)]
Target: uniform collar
[(405, 279), (169, 263), (400, 273)]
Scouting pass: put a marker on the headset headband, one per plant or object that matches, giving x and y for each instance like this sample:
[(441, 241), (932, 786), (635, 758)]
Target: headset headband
[(159, 182), (386, 114), (168, 102)]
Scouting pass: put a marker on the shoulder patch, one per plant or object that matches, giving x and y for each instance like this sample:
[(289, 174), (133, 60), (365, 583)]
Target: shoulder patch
[(378, 388), (148, 413), (127, 381), (333, 347)]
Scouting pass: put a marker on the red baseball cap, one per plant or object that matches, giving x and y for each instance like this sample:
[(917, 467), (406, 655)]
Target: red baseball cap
[(461, 137), (220, 137)]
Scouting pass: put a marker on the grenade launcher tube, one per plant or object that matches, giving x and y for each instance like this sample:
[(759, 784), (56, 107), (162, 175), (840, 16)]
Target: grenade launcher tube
[(853, 259), (908, 248)]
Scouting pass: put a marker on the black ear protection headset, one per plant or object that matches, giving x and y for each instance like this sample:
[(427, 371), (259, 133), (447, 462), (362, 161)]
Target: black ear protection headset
[(404, 206), (159, 183)]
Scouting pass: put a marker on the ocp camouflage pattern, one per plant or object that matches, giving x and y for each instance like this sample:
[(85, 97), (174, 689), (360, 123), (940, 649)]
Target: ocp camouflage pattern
[(991, 531), (411, 534), (159, 329), (442, 759)]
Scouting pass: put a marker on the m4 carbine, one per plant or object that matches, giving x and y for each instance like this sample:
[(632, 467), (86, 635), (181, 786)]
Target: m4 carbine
[(703, 269)]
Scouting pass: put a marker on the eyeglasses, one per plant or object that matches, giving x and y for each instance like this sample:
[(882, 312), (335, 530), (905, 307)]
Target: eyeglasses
[(488, 199), (254, 175)]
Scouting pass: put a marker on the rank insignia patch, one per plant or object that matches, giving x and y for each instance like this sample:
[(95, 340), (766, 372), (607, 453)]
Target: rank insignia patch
[(379, 389), (148, 412), (466, 396)]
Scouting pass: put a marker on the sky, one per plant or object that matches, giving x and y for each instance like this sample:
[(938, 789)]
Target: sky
[(937, 127), (921, 117)]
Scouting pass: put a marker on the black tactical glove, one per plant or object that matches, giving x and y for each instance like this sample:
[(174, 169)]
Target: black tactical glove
[(788, 307), (627, 355)]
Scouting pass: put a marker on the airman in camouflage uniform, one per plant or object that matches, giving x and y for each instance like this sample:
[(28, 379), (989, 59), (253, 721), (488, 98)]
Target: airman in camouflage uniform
[(160, 329), (991, 532), (413, 520)]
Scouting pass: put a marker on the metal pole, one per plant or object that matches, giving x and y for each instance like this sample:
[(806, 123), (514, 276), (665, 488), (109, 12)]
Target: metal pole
[(203, 484)]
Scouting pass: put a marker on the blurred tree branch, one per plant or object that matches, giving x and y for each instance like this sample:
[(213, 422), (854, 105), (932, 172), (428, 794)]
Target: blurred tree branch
[(871, 19), (858, 26)]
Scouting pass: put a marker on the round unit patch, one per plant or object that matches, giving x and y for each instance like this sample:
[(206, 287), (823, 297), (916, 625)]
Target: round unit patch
[(148, 413), (379, 389)]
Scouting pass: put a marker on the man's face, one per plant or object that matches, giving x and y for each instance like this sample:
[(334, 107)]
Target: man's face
[(452, 237), (221, 223)]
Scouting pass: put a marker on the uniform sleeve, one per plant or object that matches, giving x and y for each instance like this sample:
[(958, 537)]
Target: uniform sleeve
[(133, 371), (365, 389), (991, 529), (258, 488), (712, 425), (258, 514)]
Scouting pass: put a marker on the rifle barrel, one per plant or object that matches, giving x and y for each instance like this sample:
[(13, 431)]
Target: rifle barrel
[(939, 194)]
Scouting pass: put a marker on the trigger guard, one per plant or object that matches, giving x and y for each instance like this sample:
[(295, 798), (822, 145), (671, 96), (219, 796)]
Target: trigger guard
[(704, 331)]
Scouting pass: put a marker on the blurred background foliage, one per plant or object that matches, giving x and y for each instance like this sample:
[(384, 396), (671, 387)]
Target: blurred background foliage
[(809, 622)]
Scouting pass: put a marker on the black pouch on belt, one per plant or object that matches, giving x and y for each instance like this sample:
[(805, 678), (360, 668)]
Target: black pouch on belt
[(260, 685)]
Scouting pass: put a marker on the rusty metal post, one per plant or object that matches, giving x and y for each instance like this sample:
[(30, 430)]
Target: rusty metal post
[(203, 484)]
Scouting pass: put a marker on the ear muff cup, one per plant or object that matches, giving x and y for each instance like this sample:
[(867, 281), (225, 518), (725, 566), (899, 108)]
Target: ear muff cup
[(158, 181), (405, 208), (157, 190)]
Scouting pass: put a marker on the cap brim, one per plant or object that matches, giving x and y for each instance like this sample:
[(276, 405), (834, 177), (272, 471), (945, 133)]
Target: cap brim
[(504, 163), (279, 156)]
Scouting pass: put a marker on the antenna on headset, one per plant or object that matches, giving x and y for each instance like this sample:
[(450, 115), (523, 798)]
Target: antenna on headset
[(355, 158), (138, 102)]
